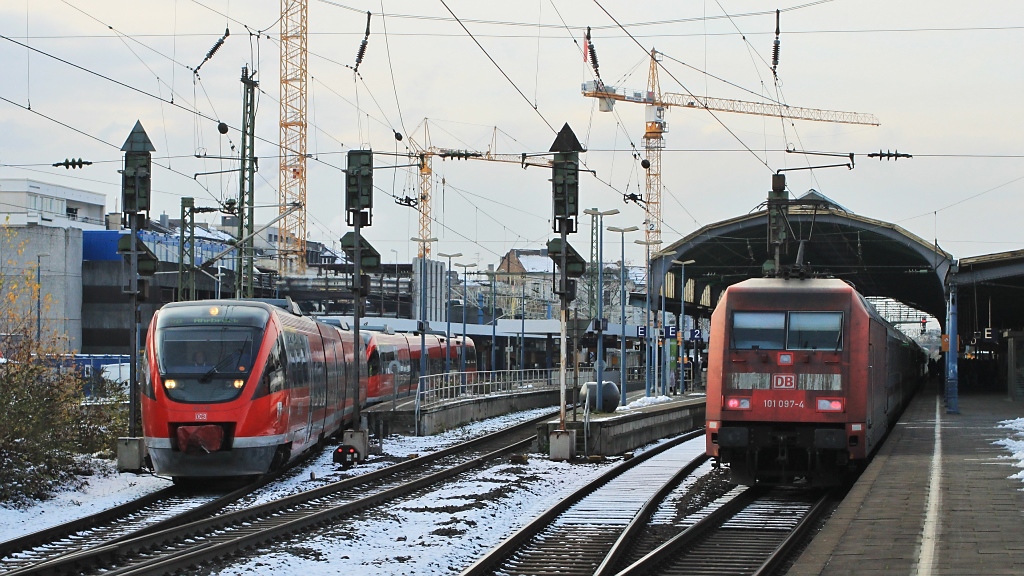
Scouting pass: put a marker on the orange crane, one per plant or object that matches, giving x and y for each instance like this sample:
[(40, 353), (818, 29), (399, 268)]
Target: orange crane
[(426, 152), (659, 102), (292, 175)]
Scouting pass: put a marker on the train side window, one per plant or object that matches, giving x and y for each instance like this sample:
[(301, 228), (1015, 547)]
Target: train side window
[(815, 331), (274, 374), (758, 330), (373, 364)]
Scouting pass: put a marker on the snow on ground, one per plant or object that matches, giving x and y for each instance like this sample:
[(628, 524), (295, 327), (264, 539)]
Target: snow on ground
[(106, 489), (440, 532), (1015, 444), (644, 401)]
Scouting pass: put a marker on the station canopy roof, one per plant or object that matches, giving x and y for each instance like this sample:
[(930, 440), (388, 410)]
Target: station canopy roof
[(878, 258)]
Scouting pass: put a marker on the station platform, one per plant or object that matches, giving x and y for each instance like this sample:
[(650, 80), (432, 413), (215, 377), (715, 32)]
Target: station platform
[(613, 433), (897, 520)]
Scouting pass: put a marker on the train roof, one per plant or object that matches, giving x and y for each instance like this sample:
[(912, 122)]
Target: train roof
[(791, 285)]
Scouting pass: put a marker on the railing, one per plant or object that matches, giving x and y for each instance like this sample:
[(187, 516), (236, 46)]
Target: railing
[(440, 388)]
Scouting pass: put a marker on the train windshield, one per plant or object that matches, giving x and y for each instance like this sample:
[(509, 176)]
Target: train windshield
[(208, 356), (759, 330), (815, 331)]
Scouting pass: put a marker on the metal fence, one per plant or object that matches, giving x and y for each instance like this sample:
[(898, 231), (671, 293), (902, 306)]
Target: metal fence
[(440, 388)]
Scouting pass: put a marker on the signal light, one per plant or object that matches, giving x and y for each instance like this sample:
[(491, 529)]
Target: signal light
[(346, 455), (735, 403), (829, 405)]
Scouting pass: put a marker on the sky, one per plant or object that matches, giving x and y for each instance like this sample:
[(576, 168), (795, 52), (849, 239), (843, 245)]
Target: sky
[(943, 78)]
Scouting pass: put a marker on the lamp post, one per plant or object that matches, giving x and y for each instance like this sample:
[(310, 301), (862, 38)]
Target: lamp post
[(651, 351), (622, 302), (424, 245), (448, 312), (465, 299), (600, 298), (522, 328), (398, 298), (682, 321), (494, 324), (39, 295)]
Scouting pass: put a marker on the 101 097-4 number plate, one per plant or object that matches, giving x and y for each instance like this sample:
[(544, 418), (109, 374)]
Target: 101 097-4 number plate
[(783, 403)]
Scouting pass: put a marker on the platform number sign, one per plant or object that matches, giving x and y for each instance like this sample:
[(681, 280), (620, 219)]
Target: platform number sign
[(695, 334), (784, 381)]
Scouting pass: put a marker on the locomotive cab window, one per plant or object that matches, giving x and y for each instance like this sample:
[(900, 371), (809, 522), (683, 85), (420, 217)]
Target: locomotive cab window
[(815, 331), (758, 330)]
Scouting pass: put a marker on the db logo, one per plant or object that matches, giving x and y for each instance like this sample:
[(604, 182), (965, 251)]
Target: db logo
[(784, 381)]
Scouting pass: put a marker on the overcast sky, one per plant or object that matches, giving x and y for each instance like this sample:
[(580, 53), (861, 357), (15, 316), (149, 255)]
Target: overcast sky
[(943, 77)]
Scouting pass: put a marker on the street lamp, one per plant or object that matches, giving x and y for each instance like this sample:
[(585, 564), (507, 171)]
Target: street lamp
[(424, 249), (448, 311), (465, 300), (39, 295), (600, 297), (398, 297), (682, 322), (651, 353), (622, 301)]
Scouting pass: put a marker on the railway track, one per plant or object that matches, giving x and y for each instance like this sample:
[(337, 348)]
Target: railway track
[(185, 545), (588, 530), (751, 531), (164, 508)]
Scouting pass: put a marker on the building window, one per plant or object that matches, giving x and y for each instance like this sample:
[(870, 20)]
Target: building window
[(72, 213)]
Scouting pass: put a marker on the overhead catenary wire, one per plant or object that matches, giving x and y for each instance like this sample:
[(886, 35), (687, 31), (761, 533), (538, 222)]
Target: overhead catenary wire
[(496, 65)]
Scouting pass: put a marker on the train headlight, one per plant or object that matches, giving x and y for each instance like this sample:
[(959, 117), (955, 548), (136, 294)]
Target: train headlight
[(737, 403), (829, 405), (170, 384), (239, 383)]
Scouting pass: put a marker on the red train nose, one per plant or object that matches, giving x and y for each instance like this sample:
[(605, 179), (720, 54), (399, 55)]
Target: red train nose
[(199, 439)]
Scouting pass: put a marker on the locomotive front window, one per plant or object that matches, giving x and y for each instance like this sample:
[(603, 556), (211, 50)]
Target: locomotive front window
[(759, 330), (205, 363), (815, 331)]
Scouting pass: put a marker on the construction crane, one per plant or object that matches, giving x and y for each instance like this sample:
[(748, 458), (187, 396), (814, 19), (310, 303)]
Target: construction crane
[(425, 152), (291, 243), (658, 103)]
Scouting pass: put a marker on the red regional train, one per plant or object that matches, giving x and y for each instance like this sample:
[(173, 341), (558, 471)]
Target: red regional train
[(238, 387), (804, 380)]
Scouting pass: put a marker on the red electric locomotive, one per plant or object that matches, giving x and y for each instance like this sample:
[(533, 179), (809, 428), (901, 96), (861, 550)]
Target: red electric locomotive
[(804, 380), (238, 387)]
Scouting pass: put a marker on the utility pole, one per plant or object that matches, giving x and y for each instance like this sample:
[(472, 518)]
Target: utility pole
[(246, 199), (187, 250), (135, 202)]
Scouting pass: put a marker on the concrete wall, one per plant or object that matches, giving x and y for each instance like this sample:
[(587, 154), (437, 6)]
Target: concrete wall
[(60, 276), (456, 414), (622, 432)]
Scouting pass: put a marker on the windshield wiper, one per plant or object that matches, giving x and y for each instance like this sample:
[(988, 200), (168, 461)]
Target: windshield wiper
[(223, 361)]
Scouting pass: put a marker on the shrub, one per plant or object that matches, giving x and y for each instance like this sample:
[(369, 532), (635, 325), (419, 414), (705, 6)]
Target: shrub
[(45, 424)]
